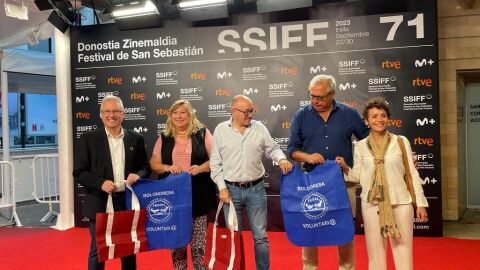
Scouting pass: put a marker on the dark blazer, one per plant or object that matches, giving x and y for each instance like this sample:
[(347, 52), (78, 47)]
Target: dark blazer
[(93, 164)]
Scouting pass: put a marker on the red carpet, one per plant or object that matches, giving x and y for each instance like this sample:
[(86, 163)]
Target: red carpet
[(27, 248)]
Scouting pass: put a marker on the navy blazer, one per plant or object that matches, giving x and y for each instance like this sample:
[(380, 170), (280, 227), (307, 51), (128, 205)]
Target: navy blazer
[(93, 164)]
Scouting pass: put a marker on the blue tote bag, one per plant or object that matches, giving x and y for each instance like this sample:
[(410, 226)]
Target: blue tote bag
[(168, 203), (315, 206)]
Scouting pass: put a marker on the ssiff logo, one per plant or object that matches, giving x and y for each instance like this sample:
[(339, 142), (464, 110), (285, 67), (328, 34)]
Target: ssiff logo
[(314, 205), (159, 210)]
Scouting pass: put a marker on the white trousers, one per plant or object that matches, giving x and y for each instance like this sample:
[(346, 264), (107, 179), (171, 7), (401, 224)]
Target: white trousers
[(377, 244)]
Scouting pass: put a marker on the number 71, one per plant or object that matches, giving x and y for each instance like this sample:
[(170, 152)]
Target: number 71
[(397, 20)]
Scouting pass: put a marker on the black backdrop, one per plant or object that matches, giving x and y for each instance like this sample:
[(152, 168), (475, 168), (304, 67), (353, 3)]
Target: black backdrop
[(392, 55)]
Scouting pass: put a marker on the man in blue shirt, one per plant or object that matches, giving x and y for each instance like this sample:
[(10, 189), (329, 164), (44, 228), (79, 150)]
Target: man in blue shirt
[(237, 169), (320, 131)]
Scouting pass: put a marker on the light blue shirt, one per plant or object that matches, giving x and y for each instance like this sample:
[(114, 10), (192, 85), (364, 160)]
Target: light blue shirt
[(238, 158)]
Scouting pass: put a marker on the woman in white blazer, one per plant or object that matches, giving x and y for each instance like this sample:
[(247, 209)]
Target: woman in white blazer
[(386, 202)]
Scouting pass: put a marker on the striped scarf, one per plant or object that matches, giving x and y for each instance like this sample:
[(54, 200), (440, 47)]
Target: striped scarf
[(379, 188)]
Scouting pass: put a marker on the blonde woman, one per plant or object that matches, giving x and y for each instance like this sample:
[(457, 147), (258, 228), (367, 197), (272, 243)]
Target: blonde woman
[(185, 146), (386, 202)]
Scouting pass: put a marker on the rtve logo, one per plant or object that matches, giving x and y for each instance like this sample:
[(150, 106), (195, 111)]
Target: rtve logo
[(352, 104), (223, 75), (422, 82), (395, 122), (425, 121), (286, 124), (140, 129), (250, 91), (391, 64), (289, 71), (138, 79), (162, 112), (163, 95), (82, 115), (427, 180), (86, 128), (198, 76), (225, 92), (115, 80), (423, 157), (81, 99), (278, 107), (317, 69), (421, 63), (423, 141), (137, 96), (346, 86)]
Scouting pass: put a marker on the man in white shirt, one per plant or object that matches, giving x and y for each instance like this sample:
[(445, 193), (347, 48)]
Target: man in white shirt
[(237, 169)]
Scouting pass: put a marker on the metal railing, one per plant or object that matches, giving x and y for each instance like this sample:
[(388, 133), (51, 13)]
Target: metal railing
[(45, 182), (7, 185)]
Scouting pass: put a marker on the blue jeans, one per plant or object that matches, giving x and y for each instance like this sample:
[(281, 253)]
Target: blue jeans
[(254, 200)]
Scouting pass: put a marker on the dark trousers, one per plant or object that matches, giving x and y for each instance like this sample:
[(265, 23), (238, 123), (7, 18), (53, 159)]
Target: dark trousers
[(129, 262)]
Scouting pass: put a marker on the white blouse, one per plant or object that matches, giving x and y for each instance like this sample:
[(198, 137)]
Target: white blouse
[(364, 167)]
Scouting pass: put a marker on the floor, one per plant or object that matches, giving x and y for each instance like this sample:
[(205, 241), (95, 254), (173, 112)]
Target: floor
[(30, 214)]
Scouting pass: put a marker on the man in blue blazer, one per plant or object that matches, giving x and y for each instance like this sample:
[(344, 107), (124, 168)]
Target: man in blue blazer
[(103, 160)]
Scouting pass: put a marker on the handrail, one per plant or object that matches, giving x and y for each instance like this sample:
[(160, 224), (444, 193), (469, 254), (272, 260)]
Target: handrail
[(51, 191), (9, 187)]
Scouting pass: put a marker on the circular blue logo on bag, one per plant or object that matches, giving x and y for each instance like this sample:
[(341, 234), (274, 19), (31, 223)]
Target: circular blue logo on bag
[(159, 210), (314, 205)]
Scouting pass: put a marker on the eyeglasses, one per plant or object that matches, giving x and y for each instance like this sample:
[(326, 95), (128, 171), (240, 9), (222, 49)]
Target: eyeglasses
[(319, 98), (246, 112), (115, 112)]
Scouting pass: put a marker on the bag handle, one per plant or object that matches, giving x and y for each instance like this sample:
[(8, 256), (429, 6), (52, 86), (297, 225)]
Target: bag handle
[(232, 221), (133, 230), (408, 174)]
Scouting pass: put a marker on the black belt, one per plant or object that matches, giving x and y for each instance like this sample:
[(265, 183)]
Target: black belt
[(245, 184)]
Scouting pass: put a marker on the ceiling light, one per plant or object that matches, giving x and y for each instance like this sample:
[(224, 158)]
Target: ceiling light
[(134, 9), (16, 11), (186, 4)]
